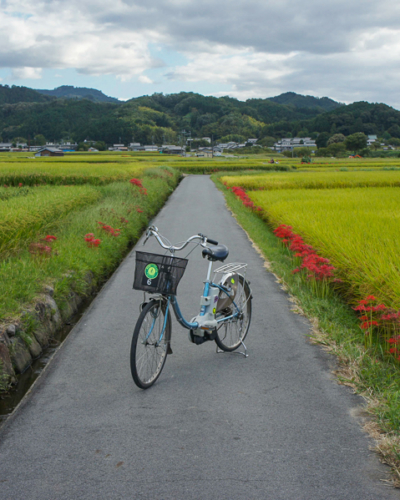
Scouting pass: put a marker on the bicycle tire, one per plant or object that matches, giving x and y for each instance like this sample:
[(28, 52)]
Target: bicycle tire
[(147, 358), (232, 333)]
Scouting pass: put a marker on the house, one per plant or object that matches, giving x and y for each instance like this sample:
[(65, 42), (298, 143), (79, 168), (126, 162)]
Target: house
[(172, 150), (5, 147), (49, 151), (208, 139), (371, 139), (118, 147), (151, 148), (93, 150), (251, 141), (288, 144), (68, 146)]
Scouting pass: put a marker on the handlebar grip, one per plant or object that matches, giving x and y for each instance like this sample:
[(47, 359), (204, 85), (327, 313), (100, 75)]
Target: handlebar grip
[(213, 242)]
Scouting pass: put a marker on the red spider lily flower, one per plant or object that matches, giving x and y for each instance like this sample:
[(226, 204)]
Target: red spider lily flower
[(20, 184), (50, 237), (370, 297), (101, 223), (136, 182), (39, 249), (393, 350), (139, 210), (367, 324), (379, 307), (95, 242), (5, 185), (91, 241)]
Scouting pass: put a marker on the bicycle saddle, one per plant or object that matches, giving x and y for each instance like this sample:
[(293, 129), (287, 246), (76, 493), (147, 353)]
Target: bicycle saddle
[(217, 252)]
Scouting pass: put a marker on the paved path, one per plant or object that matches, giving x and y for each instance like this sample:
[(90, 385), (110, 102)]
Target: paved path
[(215, 426)]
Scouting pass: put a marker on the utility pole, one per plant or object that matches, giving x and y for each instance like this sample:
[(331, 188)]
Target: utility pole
[(212, 145)]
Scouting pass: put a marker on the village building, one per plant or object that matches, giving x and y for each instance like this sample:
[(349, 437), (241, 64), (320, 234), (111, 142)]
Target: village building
[(49, 151)]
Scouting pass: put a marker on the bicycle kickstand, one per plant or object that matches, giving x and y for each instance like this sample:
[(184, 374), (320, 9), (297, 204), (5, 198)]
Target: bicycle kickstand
[(220, 351)]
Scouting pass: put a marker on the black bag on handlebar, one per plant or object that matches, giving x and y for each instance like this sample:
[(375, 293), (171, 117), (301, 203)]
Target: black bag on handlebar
[(158, 273)]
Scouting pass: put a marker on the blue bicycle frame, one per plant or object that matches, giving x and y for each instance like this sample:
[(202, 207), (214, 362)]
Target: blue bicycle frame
[(172, 299)]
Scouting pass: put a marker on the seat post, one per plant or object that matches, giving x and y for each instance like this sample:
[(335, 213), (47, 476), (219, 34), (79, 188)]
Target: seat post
[(209, 270)]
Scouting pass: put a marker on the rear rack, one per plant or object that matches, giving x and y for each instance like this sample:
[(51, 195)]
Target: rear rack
[(230, 268)]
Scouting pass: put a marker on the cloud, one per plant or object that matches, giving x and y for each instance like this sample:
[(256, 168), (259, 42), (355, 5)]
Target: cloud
[(347, 50), (26, 73)]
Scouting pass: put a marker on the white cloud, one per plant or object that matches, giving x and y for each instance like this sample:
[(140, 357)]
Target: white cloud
[(26, 73), (145, 79)]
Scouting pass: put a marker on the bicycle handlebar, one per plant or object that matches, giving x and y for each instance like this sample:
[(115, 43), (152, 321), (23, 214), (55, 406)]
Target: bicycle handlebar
[(153, 231)]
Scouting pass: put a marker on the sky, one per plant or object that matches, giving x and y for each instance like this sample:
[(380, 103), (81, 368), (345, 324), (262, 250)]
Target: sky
[(348, 50)]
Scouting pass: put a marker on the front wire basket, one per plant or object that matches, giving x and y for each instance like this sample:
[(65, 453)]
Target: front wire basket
[(156, 273)]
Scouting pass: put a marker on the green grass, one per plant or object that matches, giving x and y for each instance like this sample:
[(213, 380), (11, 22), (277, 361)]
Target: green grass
[(24, 275), (23, 219)]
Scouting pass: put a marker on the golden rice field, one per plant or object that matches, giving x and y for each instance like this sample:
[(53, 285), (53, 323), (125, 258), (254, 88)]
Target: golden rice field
[(356, 228), (315, 180), (39, 172)]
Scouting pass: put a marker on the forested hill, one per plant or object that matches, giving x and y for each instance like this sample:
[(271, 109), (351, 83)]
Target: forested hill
[(161, 118), (306, 101), (14, 94), (70, 92)]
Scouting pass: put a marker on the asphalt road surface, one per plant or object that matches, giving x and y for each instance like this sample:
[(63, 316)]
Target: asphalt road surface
[(215, 426)]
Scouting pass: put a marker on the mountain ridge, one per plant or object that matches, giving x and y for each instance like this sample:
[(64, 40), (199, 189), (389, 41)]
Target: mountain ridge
[(71, 92)]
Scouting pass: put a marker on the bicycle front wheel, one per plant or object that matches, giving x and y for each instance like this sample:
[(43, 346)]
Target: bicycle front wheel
[(149, 347), (232, 332)]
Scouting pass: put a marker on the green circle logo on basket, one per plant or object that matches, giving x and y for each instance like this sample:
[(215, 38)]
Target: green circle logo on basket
[(151, 271)]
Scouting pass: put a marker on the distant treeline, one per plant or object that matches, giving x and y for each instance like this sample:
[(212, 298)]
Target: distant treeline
[(157, 119)]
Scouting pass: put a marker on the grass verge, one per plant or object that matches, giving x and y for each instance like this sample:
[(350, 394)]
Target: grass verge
[(119, 206), (369, 372)]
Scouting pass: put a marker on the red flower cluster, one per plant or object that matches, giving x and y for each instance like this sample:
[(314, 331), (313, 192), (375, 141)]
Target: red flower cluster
[(91, 241), (50, 238), (39, 249), (385, 319), (317, 266), (241, 194), (110, 230), (42, 248), (138, 183)]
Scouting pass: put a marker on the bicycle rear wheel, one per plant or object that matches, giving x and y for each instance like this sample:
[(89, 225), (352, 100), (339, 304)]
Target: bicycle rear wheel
[(149, 347), (232, 333)]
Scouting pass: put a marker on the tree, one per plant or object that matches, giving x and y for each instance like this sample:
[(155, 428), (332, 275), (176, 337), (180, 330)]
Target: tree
[(100, 145), (267, 141), (355, 142), (336, 138), (337, 149), (39, 140), (394, 141), (322, 140)]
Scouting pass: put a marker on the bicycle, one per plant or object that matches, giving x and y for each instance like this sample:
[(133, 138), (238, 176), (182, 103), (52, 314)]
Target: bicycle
[(225, 307)]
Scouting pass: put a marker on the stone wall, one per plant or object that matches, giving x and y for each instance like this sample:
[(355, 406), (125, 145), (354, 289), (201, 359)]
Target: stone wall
[(24, 339)]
